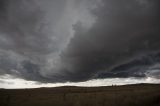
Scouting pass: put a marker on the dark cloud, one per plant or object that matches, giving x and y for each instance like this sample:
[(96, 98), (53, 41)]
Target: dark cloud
[(142, 66), (26, 34), (23, 26), (123, 30), (57, 41)]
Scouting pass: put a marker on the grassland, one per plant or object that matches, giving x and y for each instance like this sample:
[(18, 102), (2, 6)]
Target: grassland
[(128, 95)]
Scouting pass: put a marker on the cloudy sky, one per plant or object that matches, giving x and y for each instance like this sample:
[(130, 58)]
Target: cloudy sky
[(79, 42)]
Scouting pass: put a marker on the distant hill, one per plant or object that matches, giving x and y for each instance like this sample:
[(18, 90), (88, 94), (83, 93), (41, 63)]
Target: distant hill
[(127, 95)]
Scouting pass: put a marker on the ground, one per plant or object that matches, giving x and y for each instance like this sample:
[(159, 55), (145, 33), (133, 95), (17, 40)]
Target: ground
[(127, 95)]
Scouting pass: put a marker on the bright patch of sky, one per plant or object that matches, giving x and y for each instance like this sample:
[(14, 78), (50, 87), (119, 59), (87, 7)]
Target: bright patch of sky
[(9, 82)]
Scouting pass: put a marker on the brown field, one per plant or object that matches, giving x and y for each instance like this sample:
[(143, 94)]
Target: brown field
[(128, 95)]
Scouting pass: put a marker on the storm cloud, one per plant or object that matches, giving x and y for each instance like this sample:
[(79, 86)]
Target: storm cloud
[(59, 40)]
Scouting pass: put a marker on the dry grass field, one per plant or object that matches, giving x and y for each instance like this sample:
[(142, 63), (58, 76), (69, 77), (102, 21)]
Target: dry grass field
[(128, 95)]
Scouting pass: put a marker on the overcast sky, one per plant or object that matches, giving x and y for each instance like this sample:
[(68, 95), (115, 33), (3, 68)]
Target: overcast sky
[(59, 41)]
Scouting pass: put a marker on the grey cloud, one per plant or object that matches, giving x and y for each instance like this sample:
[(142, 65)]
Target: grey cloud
[(123, 30), (5, 82), (27, 33), (58, 41), (33, 34), (23, 24), (141, 66)]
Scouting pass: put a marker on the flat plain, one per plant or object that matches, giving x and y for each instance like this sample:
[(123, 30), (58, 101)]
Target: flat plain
[(126, 95)]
